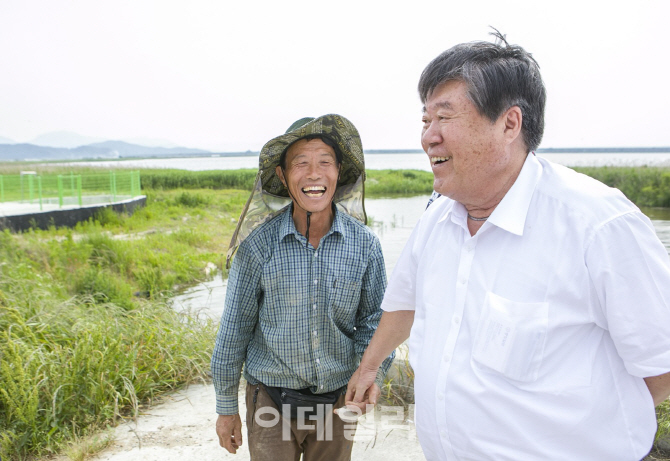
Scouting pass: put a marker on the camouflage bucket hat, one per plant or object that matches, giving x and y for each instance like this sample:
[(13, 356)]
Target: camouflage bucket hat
[(270, 197), (335, 127)]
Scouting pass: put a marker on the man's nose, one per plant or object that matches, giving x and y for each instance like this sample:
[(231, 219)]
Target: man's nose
[(431, 135), (313, 171)]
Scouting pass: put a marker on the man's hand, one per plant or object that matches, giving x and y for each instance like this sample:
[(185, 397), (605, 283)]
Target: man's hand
[(393, 329), (229, 430), (362, 389)]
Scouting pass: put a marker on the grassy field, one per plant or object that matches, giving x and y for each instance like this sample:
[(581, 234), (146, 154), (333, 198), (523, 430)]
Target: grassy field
[(86, 335), (86, 332), (645, 186)]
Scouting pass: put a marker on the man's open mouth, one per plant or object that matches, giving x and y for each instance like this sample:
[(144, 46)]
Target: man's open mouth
[(438, 160), (314, 191)]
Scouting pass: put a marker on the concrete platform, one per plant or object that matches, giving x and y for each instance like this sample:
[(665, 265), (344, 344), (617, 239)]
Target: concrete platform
[(20, 216)]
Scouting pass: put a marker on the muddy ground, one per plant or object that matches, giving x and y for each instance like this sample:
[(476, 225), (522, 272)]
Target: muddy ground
[(182, 429)]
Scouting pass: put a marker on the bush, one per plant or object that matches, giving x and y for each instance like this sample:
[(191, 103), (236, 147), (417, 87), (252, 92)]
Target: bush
[(381, 183), (644, 186), (79, 348), (191, 200), (181, 179)]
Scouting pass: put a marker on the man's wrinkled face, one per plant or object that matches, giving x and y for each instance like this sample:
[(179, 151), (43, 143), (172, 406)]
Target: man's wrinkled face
[(311, 175), (463, 146)]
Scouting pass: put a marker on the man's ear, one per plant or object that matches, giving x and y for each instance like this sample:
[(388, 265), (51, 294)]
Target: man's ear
[(513, 119), (280, 173)]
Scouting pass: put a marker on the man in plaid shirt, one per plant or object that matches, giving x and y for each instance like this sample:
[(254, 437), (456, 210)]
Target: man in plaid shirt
[(304, 292)]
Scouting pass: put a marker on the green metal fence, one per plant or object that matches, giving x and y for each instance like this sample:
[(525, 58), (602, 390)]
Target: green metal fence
[(69, 190)]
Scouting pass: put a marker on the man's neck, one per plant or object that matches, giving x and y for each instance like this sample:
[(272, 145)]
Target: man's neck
[(484, 208), (319, 223)]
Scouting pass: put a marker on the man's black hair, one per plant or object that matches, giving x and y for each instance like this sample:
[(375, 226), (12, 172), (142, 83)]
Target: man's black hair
[(498, 76)]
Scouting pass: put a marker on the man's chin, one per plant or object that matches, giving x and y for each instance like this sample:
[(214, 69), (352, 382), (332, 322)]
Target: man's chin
[(441, 188), (313, 207)]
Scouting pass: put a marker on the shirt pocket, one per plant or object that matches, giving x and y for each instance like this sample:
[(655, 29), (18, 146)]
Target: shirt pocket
[(510, 337), (345, 296)]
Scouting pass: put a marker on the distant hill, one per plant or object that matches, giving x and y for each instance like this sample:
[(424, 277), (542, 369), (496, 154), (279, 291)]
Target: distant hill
[(71, 139), (125, 149), (151, 142), (65, 139), (101, 150), (33, 152)]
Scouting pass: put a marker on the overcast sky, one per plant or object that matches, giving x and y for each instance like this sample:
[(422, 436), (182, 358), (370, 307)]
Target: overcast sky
[(230, 75)]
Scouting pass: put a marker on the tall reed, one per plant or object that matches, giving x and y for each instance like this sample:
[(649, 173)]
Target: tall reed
[(86, 329), (644, 186)]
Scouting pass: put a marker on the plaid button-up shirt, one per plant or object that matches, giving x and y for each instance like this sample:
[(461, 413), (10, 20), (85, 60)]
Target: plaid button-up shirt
[(296, 316)]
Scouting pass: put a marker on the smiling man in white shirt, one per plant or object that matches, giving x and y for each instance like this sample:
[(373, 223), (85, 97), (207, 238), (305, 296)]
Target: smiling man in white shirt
[(538, 299)]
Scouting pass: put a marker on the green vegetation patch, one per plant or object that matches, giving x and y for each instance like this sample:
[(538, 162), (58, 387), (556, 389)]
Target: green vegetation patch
[(644, 186), (242, 179), (87, 333), (388, 183)]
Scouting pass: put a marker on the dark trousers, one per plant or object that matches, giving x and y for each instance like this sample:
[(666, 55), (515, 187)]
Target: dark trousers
[(273, 438)]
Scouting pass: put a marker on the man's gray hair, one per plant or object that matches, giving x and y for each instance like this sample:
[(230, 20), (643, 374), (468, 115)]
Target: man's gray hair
[(498, 76)]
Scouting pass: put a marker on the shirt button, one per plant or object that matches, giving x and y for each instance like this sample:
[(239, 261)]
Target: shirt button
[(446, 358), (315, 282), (457, 320), (315, 333), (461, 281), (314, 306), (318, 361), (316, 253), (440, 397), (321, 387)]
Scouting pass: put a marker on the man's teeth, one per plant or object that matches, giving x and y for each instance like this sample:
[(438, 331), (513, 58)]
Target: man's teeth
[(435, 160), (314, 190)]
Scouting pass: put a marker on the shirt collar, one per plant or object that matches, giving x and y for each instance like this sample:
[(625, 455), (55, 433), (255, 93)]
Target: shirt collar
[(287, 226), (511, 212)]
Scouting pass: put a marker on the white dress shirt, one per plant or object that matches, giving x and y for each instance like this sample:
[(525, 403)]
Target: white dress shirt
[(531, 338)]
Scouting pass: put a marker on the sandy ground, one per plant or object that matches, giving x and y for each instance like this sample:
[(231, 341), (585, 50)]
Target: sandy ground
[(182, 429)]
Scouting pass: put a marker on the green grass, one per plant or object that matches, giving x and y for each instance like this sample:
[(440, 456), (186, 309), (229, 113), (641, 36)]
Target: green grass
[(663, 418), (644, 186), (217, 179), (389, 183), (86, 331)]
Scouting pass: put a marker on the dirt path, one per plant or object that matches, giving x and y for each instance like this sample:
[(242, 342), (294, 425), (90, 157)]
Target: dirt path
[(182, 429)]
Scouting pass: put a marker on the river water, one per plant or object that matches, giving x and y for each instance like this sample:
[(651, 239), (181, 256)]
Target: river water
[(417, 161), (392, 219)]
